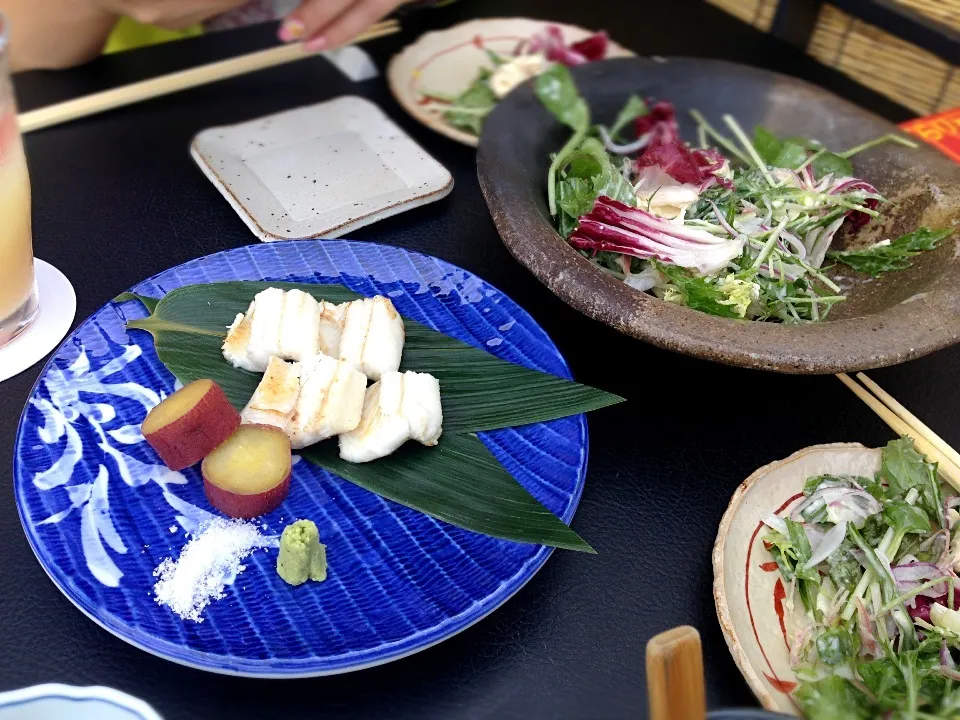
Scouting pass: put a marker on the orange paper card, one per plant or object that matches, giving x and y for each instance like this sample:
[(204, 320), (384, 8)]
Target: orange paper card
[(941, 130)]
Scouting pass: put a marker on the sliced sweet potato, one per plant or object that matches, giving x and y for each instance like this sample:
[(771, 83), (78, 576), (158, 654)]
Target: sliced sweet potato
[(185, 427), (249, 474)]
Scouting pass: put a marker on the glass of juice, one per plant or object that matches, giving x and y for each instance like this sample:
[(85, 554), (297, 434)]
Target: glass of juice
[(18, 292)]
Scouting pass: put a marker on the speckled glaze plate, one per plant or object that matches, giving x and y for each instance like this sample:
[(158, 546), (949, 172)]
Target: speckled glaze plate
[(448, 60), (100, 512), (319, 171), (747, 586), (898, 317)]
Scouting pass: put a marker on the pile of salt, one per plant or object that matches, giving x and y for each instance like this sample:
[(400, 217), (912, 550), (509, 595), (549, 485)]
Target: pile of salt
[(207, 563)]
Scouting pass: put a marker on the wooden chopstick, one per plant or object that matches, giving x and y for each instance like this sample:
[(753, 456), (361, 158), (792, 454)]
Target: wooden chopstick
[(174, 82), (675, 684), (911, 419), (903, 422)]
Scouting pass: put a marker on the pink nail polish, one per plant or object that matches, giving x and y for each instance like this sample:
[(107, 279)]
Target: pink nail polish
[(315, 44), (291, 30)]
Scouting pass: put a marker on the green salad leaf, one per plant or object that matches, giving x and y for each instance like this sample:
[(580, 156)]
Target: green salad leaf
[(876, 260), (559, 94), (700, 294), (836, 645), (844, 569), (904, 469), (767, 144), (884, 679), (634, 108), (833, 698), (831, 163), (790, 156), (470, 108), (792, 152), (905, 517)]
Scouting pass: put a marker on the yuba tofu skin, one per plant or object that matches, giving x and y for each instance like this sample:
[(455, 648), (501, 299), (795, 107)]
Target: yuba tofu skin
[(330, 326), (290, 325), (373, 336), (397, 408), (237, 345), (384, 347), (330, 403), (382, 428), (276, 396), (265, 328), (186, 426), (301, 316), (421, 407)]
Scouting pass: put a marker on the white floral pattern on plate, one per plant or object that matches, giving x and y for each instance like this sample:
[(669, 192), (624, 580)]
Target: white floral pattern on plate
[(62, 413)]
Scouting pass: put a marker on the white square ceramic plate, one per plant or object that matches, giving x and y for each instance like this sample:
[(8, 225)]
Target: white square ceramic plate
[(319, 171)]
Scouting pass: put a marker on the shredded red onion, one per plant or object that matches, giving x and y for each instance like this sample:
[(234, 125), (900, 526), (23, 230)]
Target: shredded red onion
[(828, 544), (857, 219), (947, 672), (946, 659), (627, 149), (820, 244), (857, 505), (910, 575), (722, 220), (868, 641), (775, 522)]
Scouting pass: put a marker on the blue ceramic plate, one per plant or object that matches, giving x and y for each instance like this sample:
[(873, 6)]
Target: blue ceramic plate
[(101, 512)]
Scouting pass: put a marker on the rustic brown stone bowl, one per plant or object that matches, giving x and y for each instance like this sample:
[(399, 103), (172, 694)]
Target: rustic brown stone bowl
[(900, 316)]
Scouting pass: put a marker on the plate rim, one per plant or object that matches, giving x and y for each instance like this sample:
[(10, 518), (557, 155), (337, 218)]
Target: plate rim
[(395, 81), (252, 221), (724, 617), (79, 693), (519, 580)]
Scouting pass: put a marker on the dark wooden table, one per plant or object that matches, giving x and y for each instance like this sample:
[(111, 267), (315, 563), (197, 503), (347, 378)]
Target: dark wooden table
[(117, 199)]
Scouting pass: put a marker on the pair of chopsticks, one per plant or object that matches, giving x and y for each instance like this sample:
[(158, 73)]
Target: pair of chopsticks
[(904, 422), (675, 683), (174, 82)]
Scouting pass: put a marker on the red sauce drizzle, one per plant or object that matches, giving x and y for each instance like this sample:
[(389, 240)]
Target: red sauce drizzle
[(779, 595), (784, 686)]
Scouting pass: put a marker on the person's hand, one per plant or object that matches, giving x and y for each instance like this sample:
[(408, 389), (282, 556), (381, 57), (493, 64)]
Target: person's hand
[(168, 14), (325, 24)]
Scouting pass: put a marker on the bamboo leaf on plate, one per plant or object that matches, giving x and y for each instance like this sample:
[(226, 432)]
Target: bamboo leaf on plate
[(148, 302), (460, 482), (480, 391)]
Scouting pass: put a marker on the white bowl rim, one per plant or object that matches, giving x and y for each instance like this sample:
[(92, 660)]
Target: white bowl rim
[(73, 692), (720, 599)]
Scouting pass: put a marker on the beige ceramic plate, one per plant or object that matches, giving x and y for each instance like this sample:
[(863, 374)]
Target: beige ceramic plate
[(319, 171), (747, 587), (447, 61)]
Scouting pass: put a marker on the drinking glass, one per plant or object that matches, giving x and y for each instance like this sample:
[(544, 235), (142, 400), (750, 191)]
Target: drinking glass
[(18, 292)]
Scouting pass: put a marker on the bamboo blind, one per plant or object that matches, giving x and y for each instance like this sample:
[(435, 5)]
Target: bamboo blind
[(902, 71)]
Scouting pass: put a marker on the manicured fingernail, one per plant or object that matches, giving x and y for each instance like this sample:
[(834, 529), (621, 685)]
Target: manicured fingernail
[(292, 29), (315, 44)]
